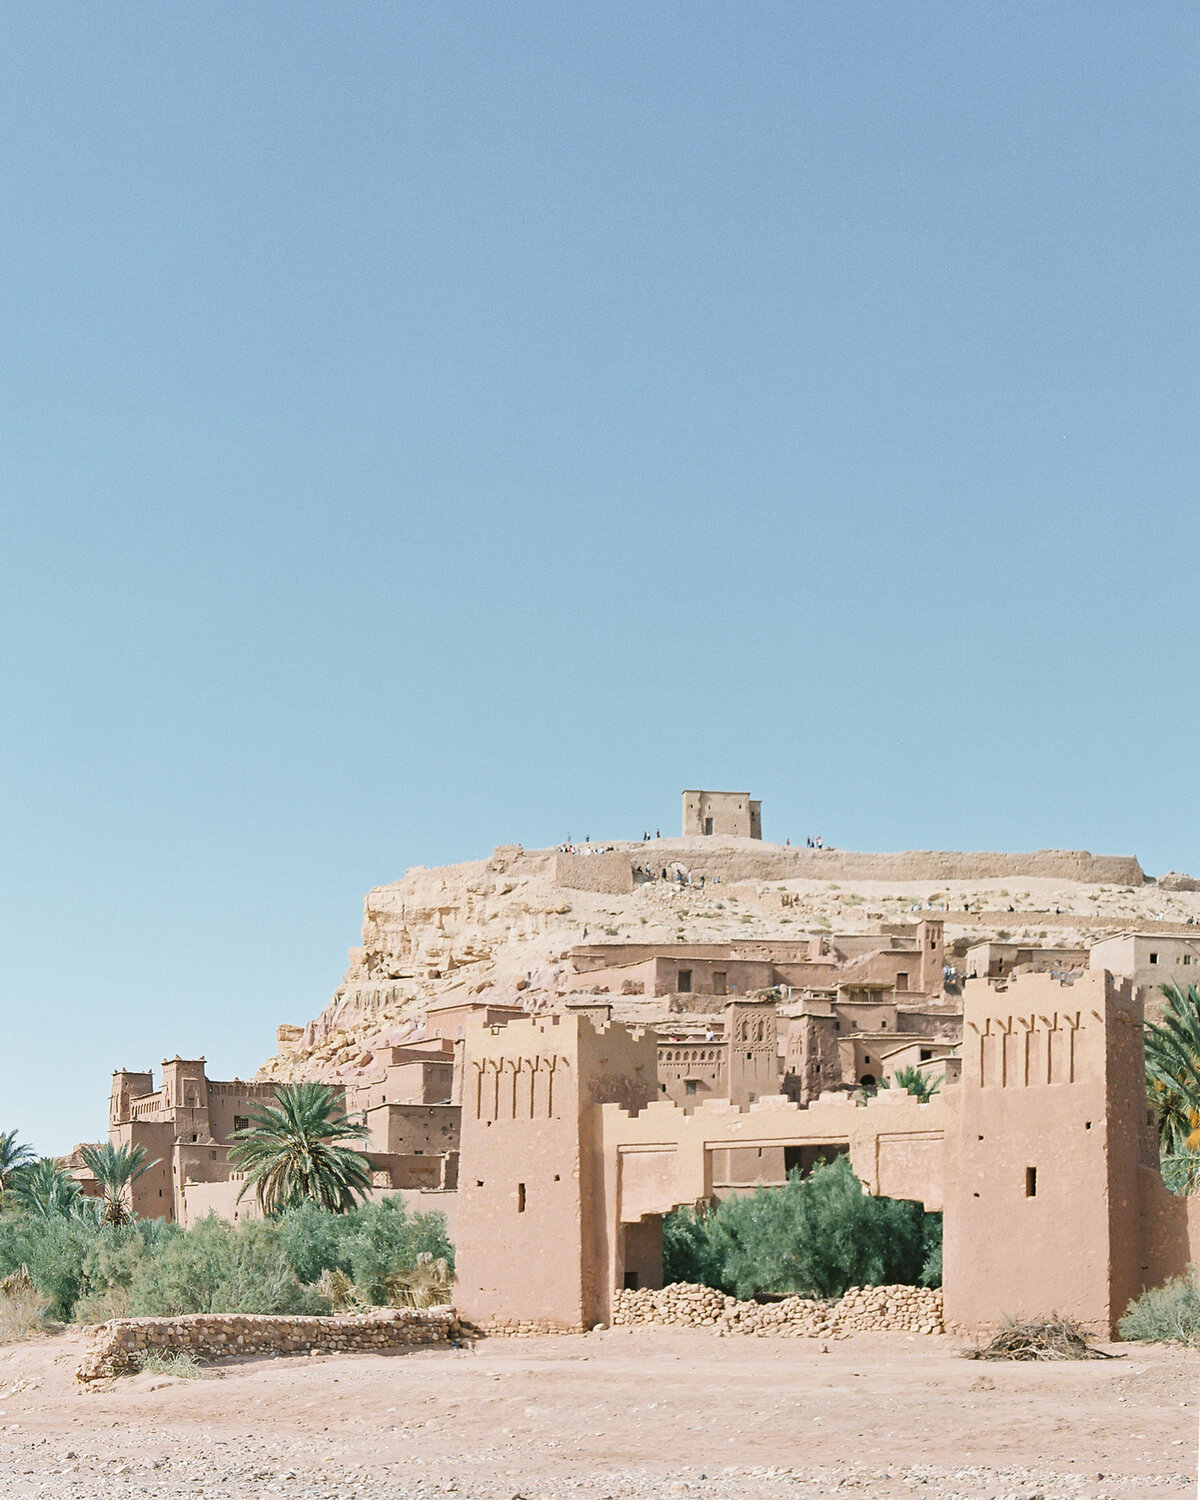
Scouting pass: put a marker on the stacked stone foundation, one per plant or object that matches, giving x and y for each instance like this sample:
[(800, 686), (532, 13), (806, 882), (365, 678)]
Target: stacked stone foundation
[(522, 1327), (873, 1309), (121, 1346)]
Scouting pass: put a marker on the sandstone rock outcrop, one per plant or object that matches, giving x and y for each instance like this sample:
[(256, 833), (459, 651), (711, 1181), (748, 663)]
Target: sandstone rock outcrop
[(501, 929)]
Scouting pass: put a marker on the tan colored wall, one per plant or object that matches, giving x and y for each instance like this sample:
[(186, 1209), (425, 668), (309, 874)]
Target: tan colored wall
[(1176, 961), (740, 976), (428, 1129), (448, 1022), (702, 1064), (773, 862), (1051, 1082), (884, 1309), (153, 1193), (425, 1081), (733, 815), (609, 874), (529, 1157)]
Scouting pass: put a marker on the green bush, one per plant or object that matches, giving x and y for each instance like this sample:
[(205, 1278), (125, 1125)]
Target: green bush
[(687, 1250), (112, 1260), (931, 1267), (217, 1267), (91, 1271), (54, 1248), (816, 1237), (314, 1240), (387, 1241), (1167, 1314)]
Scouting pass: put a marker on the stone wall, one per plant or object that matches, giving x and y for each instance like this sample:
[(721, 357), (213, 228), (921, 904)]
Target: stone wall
[(119, 1347), (742, 861), (872, 1309), (609, 874), (500, 1328)]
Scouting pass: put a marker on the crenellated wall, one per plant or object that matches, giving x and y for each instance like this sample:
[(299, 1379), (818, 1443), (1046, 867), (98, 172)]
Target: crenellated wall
[(1040, 1158)]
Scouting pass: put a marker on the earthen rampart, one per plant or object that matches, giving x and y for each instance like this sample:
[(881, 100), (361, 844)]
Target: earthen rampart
[(609, 873), (748, 860)]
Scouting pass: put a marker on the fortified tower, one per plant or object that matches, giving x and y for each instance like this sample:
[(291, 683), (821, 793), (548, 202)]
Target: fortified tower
[(531, 1154), (1043, 1152), (730, 813)]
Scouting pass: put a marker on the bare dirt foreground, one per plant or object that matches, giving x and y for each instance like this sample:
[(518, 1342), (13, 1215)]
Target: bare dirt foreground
[(624, 1414)]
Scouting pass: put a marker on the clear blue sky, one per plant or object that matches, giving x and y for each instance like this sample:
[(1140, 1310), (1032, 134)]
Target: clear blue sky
[(424, 426)]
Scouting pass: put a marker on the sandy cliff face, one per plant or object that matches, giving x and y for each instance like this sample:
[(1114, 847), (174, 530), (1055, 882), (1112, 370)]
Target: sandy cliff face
[(501, 928)]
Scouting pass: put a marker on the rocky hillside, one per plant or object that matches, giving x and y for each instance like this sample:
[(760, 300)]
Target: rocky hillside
[(502, 928)]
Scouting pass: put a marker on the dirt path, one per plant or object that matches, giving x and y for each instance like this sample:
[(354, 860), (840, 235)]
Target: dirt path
[(644, 1413)]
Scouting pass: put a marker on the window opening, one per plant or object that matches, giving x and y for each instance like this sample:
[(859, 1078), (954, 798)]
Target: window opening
[(520, 1197), (1031, 1182)]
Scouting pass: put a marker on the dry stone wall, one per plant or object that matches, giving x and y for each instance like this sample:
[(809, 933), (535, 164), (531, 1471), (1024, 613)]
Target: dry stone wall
[(119, 1347), (872, 1309)]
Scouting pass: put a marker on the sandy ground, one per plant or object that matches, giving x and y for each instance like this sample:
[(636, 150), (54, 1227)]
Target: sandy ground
[(641, 1413)]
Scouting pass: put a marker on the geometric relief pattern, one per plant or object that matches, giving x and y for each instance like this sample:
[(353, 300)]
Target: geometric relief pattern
[(517, 1088), (1026, 1050)]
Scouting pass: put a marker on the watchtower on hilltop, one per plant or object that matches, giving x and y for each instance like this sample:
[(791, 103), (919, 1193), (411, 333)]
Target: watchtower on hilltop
[(730, 813)]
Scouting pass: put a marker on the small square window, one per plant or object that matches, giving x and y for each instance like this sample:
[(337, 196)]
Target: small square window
[(1154, 958)]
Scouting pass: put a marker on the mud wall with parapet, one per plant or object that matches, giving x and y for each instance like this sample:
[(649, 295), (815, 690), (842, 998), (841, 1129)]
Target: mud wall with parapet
[(916, 864), (119, 1347), (607, 874)]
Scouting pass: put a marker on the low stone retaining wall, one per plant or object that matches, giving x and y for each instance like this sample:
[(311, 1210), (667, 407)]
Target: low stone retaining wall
[(512, 1328), (899, 1309), (119, 1347)]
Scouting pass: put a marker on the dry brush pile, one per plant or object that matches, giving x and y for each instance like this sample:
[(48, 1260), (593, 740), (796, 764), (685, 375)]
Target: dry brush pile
[(893, 1309)]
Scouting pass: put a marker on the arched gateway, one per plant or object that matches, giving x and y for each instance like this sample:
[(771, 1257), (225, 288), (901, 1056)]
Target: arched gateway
[(1042, 1158)]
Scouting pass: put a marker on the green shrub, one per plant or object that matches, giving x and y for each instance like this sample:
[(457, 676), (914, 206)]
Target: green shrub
[(1167, 1314), (314, 1240), (91, 1272), (931, 1266), (687, 1250), (387, 1241), (54, 1249), (111, 1263), (217, 1267), (817, 1236)]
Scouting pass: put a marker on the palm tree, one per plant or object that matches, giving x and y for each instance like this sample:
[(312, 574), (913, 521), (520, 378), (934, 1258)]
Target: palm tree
[(45, 1189), (909, 1079), (13, 1156), (915, 1082), (1173, 1085), (115, 1168), (293, 1152)]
